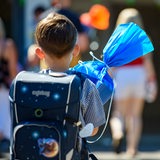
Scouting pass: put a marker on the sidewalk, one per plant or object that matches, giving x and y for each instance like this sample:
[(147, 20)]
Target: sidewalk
[(149, 149), (154, 155), (140, 156)]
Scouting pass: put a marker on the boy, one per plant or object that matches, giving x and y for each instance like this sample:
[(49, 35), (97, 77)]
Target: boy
[(57, 37), (64, 7)]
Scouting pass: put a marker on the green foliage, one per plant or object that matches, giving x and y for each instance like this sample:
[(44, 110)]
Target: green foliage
[(21, 2)]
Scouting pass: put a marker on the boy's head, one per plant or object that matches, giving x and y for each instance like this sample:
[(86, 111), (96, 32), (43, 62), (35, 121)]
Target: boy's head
[(56, 35)]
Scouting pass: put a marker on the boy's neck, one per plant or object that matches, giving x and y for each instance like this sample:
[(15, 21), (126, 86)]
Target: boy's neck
[(59, 66), (59, 69)]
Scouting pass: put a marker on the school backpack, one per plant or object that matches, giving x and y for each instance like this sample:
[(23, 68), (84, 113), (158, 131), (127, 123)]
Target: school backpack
[(45, 113)]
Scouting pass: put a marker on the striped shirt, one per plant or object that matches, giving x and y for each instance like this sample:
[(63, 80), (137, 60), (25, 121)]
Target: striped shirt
[(92, 105)]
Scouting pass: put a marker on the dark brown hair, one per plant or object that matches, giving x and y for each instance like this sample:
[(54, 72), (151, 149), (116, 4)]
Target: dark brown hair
[(56, 35)]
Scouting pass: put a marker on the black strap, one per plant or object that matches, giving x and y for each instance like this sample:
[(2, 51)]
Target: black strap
[(80, 75), (85, 152), (92, 156), (72, 121)]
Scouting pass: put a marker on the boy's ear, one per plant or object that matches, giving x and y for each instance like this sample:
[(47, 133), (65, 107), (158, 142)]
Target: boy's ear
[(39, 52), (76, 50)]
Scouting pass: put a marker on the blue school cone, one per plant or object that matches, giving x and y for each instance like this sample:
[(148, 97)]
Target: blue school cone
[(127, 43)]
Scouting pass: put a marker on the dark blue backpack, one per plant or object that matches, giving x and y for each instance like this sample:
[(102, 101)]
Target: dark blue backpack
[(45, 112)]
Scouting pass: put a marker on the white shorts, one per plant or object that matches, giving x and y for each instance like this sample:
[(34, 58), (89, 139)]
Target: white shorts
[(130, 82)]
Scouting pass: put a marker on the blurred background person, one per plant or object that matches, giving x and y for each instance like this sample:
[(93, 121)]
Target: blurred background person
[(96, 21), (130, 93), (33, 62), (8, 70), (64, 7), (36, 14)]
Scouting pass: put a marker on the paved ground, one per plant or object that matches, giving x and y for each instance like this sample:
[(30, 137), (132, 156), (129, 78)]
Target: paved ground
[(140, 156), (154, 155), (149, 149)]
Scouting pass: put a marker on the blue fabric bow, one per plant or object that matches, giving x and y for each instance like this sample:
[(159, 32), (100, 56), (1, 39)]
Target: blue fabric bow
[(96, 71)]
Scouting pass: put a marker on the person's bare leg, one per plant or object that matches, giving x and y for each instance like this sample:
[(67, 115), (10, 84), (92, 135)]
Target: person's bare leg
[(133, 118), (117, 123)]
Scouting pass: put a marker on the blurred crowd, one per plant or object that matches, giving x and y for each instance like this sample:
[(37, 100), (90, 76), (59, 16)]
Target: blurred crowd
[(9, 67)]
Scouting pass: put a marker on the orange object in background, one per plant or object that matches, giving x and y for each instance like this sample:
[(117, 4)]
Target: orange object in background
[(97, 17)]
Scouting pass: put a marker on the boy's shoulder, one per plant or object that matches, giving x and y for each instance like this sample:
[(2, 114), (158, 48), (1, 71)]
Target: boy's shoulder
[(82, 77)]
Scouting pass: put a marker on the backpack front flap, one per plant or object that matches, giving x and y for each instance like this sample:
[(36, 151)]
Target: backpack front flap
[(41, 96)]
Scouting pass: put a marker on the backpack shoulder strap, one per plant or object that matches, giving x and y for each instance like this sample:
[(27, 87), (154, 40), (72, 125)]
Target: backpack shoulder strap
[(80, 75)]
